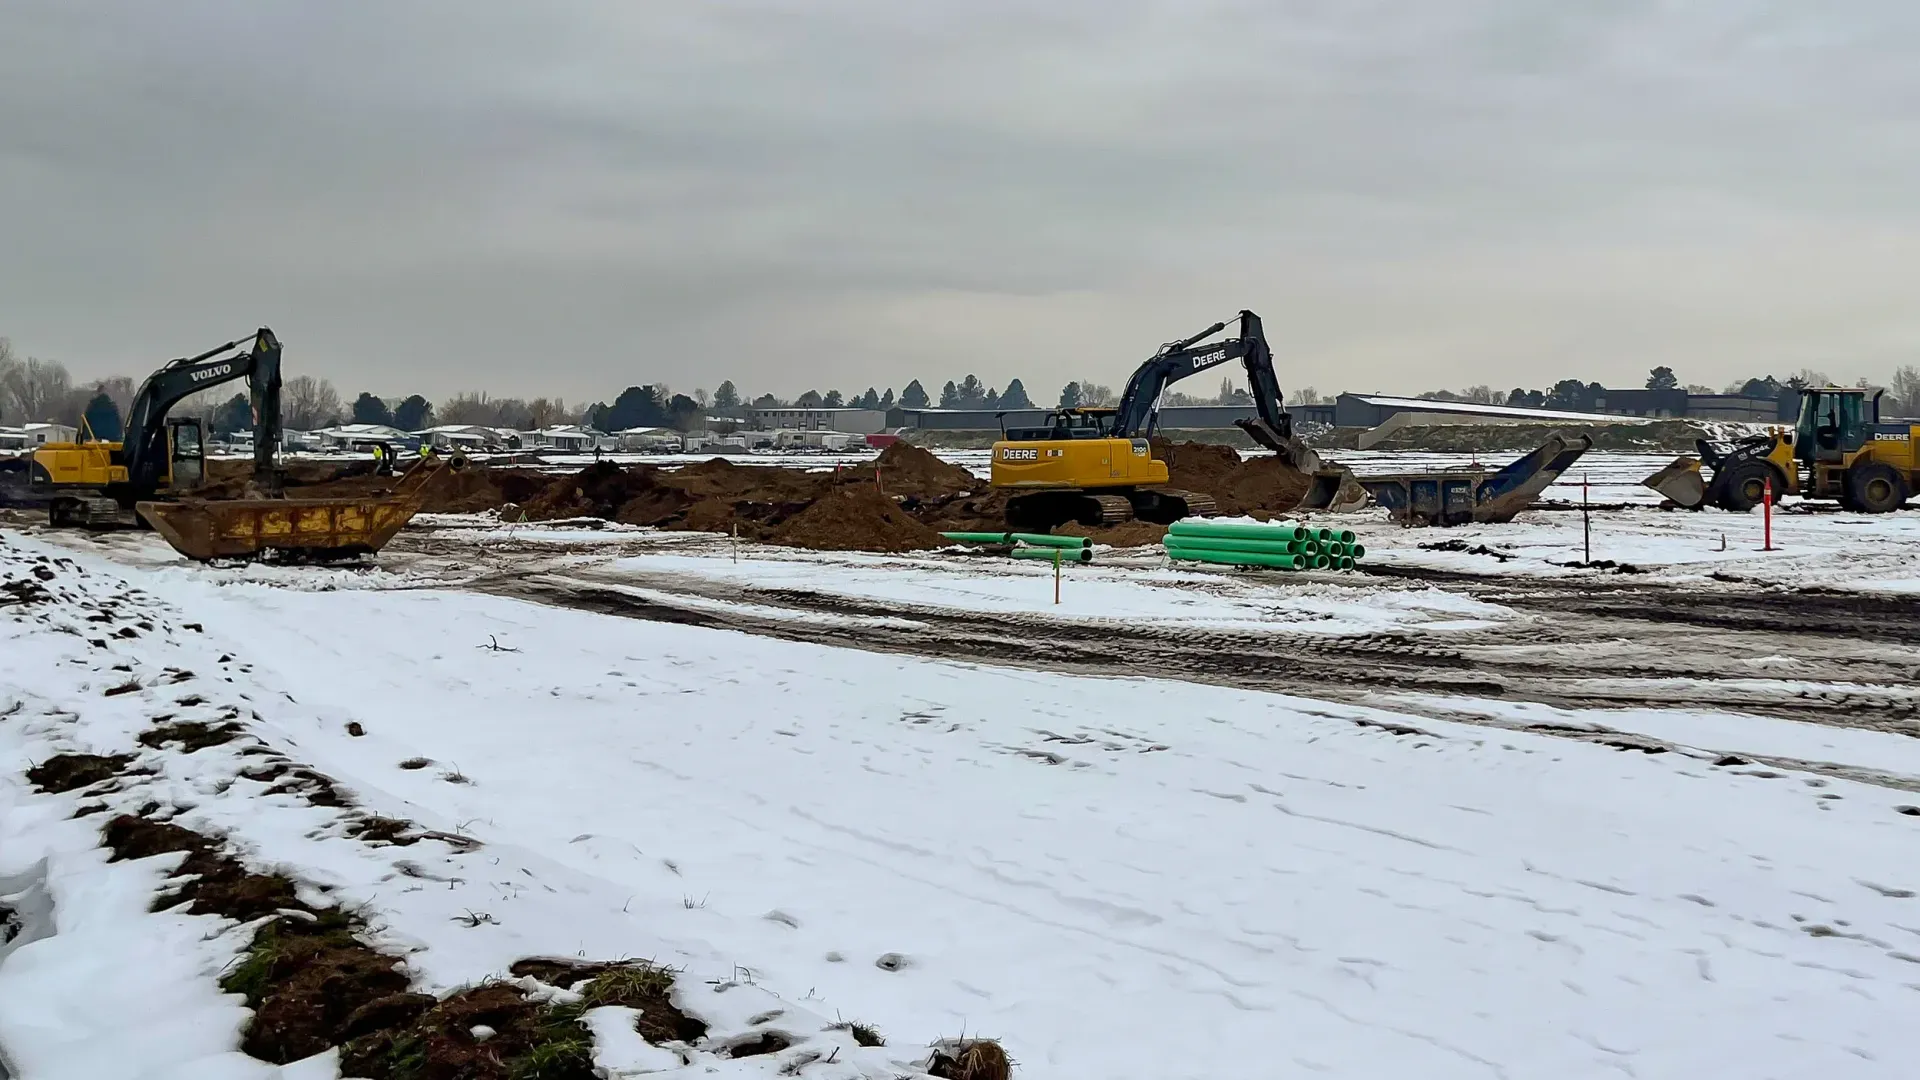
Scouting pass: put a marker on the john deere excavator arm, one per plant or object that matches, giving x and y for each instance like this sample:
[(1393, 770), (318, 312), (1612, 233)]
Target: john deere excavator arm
[(1272, 427), (145, 441)]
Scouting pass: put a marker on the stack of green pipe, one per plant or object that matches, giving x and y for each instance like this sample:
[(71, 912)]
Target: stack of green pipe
[(1031, 545), (1281, 547)]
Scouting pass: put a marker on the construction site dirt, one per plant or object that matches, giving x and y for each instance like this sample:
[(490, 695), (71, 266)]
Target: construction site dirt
[(898, 503)]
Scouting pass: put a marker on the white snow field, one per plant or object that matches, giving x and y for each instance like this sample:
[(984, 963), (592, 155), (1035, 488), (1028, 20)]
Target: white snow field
[(1117, 877)]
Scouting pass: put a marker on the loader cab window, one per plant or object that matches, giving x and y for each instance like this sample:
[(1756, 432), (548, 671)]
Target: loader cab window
[(1832, 424), (188, 459)]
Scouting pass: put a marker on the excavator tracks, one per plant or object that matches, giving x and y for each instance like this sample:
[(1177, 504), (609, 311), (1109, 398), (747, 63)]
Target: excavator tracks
[(1114, 509)]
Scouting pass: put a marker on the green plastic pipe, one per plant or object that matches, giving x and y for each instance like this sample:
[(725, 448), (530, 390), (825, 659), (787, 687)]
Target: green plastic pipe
[(1044, 540), (1202, 527), (1334, 549), (1345, 536), (1357, 551), (1228, 543), (1321, 562), (1309, 548), (979, 537), (1082, 555), (1240, 558)]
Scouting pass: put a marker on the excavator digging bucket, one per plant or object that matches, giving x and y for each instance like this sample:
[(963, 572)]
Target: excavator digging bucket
[(309, 530), (1682, 483), (315, 530)]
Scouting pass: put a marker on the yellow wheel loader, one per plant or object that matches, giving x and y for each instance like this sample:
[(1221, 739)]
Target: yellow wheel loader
[(1838, 449), (1096, 466)]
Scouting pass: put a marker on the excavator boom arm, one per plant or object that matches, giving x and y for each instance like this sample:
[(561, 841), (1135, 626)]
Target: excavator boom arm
[(145, 439), (1181, 359)]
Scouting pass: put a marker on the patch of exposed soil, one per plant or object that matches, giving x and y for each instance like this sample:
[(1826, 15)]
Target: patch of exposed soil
[(527, 1040), (314, 984), (190, 735), (71, 772)]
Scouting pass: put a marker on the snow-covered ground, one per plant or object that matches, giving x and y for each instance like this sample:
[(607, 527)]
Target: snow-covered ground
[(1118, 877), (1137, 595)]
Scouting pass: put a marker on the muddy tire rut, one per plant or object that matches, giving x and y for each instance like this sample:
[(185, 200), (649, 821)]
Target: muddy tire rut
[(1577, 646)]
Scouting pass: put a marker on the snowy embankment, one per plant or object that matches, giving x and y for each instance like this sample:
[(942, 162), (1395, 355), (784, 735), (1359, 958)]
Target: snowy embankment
[(115, 701), (1120, 878)]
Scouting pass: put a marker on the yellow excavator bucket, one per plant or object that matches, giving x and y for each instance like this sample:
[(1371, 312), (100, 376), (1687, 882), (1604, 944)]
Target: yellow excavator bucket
[(318, 529), (305, 529), (1681, 483)]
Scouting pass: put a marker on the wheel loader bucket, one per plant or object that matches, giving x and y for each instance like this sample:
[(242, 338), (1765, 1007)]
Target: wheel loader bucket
[(1681, 483)]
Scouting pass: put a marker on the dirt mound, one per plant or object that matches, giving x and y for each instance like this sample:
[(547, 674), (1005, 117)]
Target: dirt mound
[(1264, 485), (477, 490), (1261, 485), (906, 469), (1197, 466), (856, 518), (599, 490)]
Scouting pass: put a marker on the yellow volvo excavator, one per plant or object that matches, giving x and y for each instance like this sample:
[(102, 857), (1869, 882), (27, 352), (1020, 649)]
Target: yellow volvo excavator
[(153, 474), (1838, 449), (1096, 466)]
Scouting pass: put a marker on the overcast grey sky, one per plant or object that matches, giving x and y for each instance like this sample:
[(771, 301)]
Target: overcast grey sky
[(575, 195)]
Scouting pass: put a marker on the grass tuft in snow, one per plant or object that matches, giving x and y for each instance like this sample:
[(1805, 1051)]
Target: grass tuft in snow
[(970, 1059), (863, 1034)]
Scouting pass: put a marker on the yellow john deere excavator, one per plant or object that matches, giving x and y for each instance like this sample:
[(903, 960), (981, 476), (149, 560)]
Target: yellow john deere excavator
[(1096, 466), (153, 473), (1838, 449)]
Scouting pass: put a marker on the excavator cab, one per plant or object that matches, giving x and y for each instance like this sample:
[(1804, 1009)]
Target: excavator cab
[(186, 454)]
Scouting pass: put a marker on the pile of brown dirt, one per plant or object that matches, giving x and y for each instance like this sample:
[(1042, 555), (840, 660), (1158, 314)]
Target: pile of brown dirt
[(906, 469), (477, 490), (1262, 486), (1204, 467), (856, 518), (599, 490)]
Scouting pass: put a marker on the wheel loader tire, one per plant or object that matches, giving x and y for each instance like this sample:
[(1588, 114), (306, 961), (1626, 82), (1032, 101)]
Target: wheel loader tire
[(1876, 488), (1746, 486)]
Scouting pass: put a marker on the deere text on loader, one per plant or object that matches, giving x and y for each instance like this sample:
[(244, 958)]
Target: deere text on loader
[(1837, 450), (154, 473), (1096, 466)]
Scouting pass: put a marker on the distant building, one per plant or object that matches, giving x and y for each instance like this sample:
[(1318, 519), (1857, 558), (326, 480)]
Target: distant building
[(1372, 410), (649, 439), (1739, 408), (569, 439), (28, 436), (356, 436), (851, 421), (469, 437)]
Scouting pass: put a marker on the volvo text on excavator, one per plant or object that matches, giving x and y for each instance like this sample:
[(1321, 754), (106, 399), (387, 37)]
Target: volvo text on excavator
[(97, 482), (1096, 466)]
